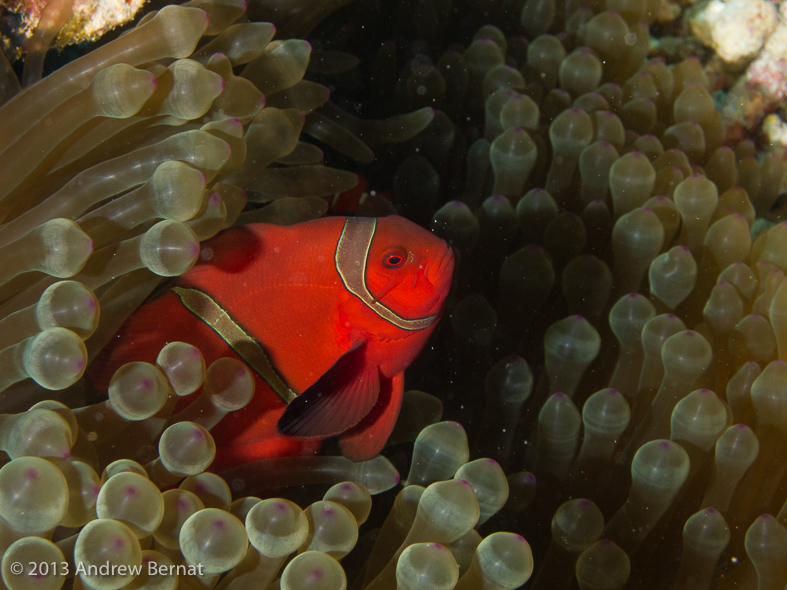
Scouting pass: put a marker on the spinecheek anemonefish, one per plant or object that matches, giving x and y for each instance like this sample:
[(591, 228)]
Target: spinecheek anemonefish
[(327, 314)]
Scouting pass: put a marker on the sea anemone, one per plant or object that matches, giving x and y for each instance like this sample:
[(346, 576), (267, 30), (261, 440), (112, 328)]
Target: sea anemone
[(612, 369)]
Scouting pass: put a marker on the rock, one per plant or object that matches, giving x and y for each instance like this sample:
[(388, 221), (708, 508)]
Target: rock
[(736, 29)]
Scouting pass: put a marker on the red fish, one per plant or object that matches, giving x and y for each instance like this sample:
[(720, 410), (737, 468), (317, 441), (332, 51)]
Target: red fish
[(328, 314), (349, 201)]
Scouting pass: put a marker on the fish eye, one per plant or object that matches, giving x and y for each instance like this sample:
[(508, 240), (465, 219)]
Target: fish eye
[(394, 258)]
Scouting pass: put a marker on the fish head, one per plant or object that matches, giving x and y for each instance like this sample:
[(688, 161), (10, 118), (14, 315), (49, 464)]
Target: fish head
[(397, 276), (408, 268)]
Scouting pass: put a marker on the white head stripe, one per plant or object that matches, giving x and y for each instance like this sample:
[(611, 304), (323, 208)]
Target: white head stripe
[(352, 252)]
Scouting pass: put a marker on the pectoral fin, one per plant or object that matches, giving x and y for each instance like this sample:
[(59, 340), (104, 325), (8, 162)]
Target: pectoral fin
[(368, 438), (337, 401)]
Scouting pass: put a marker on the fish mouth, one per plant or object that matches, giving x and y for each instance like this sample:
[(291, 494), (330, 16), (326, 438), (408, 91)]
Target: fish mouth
[(441, 269)]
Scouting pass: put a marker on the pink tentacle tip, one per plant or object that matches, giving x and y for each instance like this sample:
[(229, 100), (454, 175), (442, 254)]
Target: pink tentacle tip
[(194, 250), (32, 474), (316, 574), (606, 543), (219, 524), (329, 510), (397, 479), (665, 444), (79, 364), (65, 454)]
